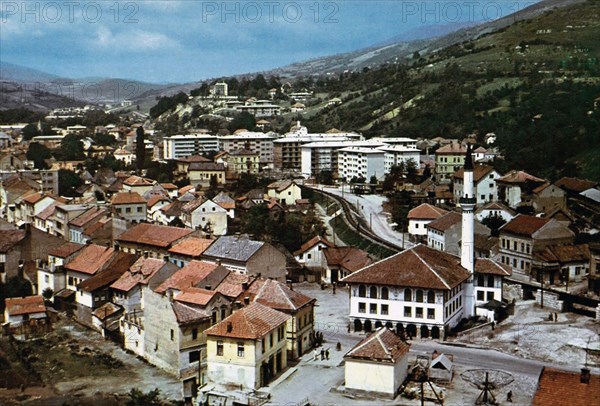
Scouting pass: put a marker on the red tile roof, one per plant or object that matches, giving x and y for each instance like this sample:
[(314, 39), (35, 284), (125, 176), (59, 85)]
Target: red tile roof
[(119, 264), (157, 198), (445, 222), (138, 181), (169, 186), (25, 305), (453, 148), (138, 273), (349, 258), (193, 246), (311, 243), (34, 198), (47, 212), (479, 172), (187, 315), (519, 177), (90, 259), (426, 211), (575, 185), (127, 198), (152, 234), (275, 295), (381, 346), (489, 267), (418, 267), (88, 216), (196, 296), (188, 276), (65, 250), (10, 238), (232, 286), (562, 388), (251, 322), (524, 225)]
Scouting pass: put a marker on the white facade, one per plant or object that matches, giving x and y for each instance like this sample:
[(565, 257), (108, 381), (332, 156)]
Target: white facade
[(208, 212), (181, 146), (361, 162), (313, 257), (395, 154), (377, 377), (323, 155), (493, 211), (257, 142), (288, 196), (487, 287), (418, 226), (485, 190)]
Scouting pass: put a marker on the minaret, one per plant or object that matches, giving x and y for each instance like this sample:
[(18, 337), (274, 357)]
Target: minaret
[(467, 251)]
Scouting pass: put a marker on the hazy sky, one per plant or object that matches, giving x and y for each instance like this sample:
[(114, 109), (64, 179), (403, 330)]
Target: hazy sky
[(188, 40)]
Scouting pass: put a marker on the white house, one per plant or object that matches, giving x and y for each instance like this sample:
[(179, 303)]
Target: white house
[(51, 274), (495, 209), (484, 178), (420, 216), (311, 253), (285, 191), (205, 214), (377, 364), (22, 309)]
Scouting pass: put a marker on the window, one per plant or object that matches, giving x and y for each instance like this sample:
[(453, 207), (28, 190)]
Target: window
[(482, 197), (194, 356), (362, 291), (479, 295), (490, 281), (480, 280), (384, 293), (514, 245), (431, 296), (431, 314), (522, 247), (271, 340), (419, 296), (490, 296), (172, 335), (373, 292), (46, 278), (139, 209), (71, 280), (263, 344), (419, 312), (194, 334), (407, 311), (407, 295), (241, 349), (128, 210), (373, 308), (384, 309), (220, 348)]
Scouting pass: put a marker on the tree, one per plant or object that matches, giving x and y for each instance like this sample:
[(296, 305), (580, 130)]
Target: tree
[(140, 148), (243, 120), (68, 182), (139, 398), (48, 293), (38, 153), (493, 222), (71, 148), (29, 131)]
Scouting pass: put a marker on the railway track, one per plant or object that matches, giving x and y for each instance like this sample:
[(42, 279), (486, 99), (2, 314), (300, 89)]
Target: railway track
[(356, 222)]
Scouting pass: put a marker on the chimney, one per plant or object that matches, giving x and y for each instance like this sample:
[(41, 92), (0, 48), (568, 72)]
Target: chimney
[(245, 285), (117, 247), (247, 300), (208, 287), (229, 327), (145, 254), (166, 258), (585, 376)]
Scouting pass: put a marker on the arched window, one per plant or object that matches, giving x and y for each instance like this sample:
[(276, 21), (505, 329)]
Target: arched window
[(431, 296), (490, 281), (373, 292), (362, 291), (407, 295), (384, 293), (419, 296)]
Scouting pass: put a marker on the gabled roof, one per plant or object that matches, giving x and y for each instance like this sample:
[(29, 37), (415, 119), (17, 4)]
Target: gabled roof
[(418, 267), (251, 322), (107, 310), (350, 258), (152, 234), (25, 305), (524, 225), (193, 246), (186, 314), (34, 198), (479, 172), (519, 177), (139, 273), (562, 388), (445, 222), (496, 206), (193, 158), (119, 264), (196, 296), (173, 209), (88, 216), (575, 185), (47, 212), (65, 250), (138, 181), (90, 259), (565, 253), (169, 186), (127, 198), (311, 243), (10, 238), (275, 295), (188, 276), (233, 247), (232, 285), (381, 346), (452, 148), (426, 211), (281, 185), (489, 267), (224, 200), (206, 166), (157, 198)]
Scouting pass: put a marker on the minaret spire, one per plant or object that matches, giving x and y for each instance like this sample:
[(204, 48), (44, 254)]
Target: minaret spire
[(467, 257)]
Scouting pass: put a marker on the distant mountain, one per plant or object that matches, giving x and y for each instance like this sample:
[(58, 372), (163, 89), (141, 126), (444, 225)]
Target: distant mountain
[(20, 74)]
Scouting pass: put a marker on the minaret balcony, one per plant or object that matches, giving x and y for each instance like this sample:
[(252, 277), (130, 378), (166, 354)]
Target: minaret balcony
[(468, 201)]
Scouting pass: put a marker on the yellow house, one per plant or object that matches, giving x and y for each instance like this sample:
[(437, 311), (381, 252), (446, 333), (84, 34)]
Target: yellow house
[(247, 348), (449, 159), (285, 191), (200, 173), (239, 161)]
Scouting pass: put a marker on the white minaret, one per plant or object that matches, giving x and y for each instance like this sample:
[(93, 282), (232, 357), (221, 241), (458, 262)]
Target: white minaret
[(467, 249)]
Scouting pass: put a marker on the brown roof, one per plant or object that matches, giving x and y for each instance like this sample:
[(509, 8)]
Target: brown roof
[(138, 181), (138, 273), (25, 305), (311, 243), (119, 264), (381, 346), (93, 228), (489, 267), (127, 198), (251, 322), (574, 184), (519, 177), (452, 148), (206, 166), (196, 296), (10, 238), (281, 185), (193, 246), (91, 214), (445, 222), (65, 250), (564, 253), (188, 276), (47, 212), (157, 198), (275, 295), (152, 234), (562, 388), (106, 310), (194, 158), (34, 198), (419, 267), (90, 259), (524, 225), (349, 258), (232, 285), (479, 172), (169, 186), (186, 314), (426, 211)]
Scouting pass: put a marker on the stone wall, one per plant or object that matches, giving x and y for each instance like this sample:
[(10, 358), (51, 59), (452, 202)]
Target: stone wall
[(551, 300)]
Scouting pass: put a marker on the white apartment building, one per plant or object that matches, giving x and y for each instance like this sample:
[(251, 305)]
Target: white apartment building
[(260, 108), (361, 162), (257, 142), (396, 153), (397, 141), (323, 155), (181, 146)]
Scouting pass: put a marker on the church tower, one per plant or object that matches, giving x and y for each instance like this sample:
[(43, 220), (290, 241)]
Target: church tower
[(467, 257)]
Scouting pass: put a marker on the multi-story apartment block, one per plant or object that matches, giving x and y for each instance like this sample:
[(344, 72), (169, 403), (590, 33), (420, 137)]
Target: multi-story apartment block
[(180, 146), (395, 154), (357, 162), (260, 143), (323, 155)]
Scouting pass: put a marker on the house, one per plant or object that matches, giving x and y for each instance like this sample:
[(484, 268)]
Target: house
[(377, 364), (10, 252), (202, 213), (138, 184), (189, 249), (248, 348), (129, 206), (562, 388), (239, 161), (574, 186), (418, 291), (562, 263), (285, 191), (343, 261), (245, 256), (311, 253), (278, 296), (226, 202), (441, 367), (51, 273), (420, 216), (122, 154), (445, 233), (106, 318), (155, 239), (86, 263), (202, 173), (449, 159), (78, 225), (495, 209), (516, 188), (547, 197), (489, 279), (525, 235), (26, 313), (31, 205), (154, 205), (485, 189), (63, 214)]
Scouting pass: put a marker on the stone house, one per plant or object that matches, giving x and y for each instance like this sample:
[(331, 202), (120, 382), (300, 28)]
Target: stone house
[(129, 206)]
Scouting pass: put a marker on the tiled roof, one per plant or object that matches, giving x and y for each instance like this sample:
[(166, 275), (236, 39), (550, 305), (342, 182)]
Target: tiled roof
[(10, 238), (237, 248), (194, 158), (196, 296), (106, 310), (93, 213), (119, 264), (311, 243), (381, 346), (489, 267), (34, 198), (138, 273), (47, 212), (275, 295), (564, 253), (169, 186), (524, 225), (97, 227), (452, 148), (206, 166), (251, 322), (574, 184), (138, 181), (479, 172), (90, 259), (188, 276), (418, 267), (186, 314), (193, 246), (445, 222), (496, 206), (224, 200), (186, 189), (426, 211), (152, 234), (562, 388), (519, 177), (157, 198), (25, 305), (349, 258), (232, 285), (127, 198), (281, 185), (173, 208), (65, 250)]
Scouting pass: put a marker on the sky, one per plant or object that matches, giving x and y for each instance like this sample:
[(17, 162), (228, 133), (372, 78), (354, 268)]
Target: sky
[(178, 41)]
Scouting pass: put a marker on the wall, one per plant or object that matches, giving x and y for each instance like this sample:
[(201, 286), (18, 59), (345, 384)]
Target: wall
[(269, 262), (370, 376), (551, 300)]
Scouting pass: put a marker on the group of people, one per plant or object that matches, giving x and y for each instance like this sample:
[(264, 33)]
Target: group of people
[(316, 338), (324, 354)]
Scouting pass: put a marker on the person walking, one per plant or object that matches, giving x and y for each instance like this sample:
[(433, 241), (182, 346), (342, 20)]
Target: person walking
[(327, 354), (322, 354), (316, 354)]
